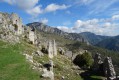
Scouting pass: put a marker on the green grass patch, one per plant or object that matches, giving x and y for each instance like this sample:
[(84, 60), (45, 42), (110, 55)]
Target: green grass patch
[(13, 65)]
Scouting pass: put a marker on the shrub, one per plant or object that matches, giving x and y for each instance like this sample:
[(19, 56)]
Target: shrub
[(83, 60)]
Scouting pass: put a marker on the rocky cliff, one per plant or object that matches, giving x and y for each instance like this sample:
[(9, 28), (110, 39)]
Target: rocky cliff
[(47, 29)]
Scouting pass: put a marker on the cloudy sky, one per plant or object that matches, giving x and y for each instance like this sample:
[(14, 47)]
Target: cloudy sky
[(97, 16)]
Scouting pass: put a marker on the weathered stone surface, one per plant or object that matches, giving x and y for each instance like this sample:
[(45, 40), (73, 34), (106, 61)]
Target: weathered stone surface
[(15, 19), (10, 27), (48, 70), (109, 69), (61, 50), (29, 58), (97, 62), (48, 74), (38, 53), (52, 49), (69, 54), (32, 36)]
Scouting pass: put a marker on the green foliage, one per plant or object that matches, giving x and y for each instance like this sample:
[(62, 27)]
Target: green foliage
[(84, 60)]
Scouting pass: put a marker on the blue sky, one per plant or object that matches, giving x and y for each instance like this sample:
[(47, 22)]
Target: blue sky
[(97, 16)]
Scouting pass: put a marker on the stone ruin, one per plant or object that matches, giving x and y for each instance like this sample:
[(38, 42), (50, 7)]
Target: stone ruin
[(48, 71), (12, 22), (97, 62), (17, 22), (10, 27), (32, 35), (69, 54), (109, 69), (52, 49), (61, 50), (105, 66)]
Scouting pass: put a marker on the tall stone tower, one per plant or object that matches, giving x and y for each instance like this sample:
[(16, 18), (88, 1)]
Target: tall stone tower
[(54, 48), (50, 50)]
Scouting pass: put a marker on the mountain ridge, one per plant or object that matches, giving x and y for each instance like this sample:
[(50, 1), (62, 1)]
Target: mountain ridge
[(93, 38), (110, 43), (48, 29)]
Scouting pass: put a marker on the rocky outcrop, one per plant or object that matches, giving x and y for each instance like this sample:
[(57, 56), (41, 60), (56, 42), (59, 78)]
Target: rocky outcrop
[(109, 69)]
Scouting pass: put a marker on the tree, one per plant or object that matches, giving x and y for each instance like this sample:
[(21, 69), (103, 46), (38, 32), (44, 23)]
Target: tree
[(83, 60)]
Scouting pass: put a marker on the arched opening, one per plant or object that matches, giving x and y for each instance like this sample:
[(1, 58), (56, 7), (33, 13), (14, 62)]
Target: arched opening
[(15, 27)]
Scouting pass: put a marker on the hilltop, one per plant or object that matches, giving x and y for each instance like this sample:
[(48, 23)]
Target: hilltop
[(44, 52)]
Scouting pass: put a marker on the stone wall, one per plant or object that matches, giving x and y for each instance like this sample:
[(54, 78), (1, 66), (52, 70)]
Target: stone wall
[(109, 69), (15, 19), (11, 22), (52, 49), (106, 67)]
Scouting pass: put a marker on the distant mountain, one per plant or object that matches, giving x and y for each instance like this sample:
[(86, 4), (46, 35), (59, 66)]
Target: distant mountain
[(110, 43), (47, 29), (93, 38)]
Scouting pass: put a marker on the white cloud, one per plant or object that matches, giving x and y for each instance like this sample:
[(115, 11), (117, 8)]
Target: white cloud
[(97, 26), (35, 11), (44, 20), (23, 4), (100, 6), (115, 17), (31, 7), (53, 7), (65, 29)]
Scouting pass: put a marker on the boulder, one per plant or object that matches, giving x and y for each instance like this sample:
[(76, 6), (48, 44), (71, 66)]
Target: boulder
[(48, 74)]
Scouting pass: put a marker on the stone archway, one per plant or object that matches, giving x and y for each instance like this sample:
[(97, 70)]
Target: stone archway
[(15, 27)]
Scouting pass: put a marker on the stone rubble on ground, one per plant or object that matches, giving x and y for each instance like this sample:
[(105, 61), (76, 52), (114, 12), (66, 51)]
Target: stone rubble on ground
[(48, 71)]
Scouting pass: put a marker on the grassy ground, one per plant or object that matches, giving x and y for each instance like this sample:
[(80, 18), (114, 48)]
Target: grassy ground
[(63, 67), (13, 65)]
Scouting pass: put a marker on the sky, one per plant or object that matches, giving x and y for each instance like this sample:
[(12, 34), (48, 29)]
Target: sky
[(74, 16)]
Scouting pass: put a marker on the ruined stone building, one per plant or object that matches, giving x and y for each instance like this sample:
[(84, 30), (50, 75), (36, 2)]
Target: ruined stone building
[(97, 62), (32, 36), (17, 23), (106, 67), (109, 69), (52, 49), (11, 22)]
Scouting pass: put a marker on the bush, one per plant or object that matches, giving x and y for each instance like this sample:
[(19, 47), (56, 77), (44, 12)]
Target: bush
[(83, 60)]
